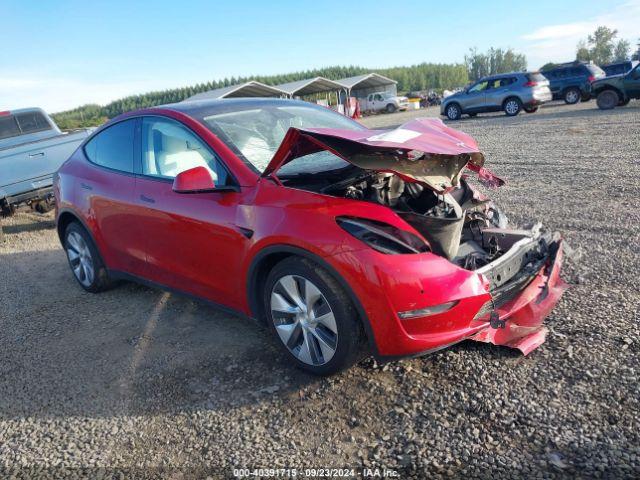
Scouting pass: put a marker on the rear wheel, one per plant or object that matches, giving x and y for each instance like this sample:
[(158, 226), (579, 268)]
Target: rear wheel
[(607, 100), (453, 111), (84, 260), (312, 317), (512, 106), (531, 109), (571, 96)]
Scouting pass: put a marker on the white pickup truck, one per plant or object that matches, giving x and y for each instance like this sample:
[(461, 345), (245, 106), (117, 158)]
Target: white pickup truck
[(383, 102), (32, 148)]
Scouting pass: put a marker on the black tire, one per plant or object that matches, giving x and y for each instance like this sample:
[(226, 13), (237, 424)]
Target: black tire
[(571, 96), (512, 106), (607, 99), (349, 335), (391, 108), (453, 111), (531, 109), (97, 282)]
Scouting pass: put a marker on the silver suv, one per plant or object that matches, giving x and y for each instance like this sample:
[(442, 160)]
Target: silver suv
[(510, 92)]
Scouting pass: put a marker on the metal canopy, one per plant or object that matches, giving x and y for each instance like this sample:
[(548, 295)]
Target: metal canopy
[(310, 86), (248, 89), (368, 80)]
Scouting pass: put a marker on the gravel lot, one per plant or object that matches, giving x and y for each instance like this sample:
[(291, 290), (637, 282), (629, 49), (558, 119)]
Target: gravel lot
[(136, 382)]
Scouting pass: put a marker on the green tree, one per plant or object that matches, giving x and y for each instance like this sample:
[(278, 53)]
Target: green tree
[(636, 56), (601, 47), (494, 61), (582, 52), (621, 52)]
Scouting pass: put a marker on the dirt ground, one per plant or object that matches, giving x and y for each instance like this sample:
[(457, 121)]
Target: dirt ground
[(137, 382)]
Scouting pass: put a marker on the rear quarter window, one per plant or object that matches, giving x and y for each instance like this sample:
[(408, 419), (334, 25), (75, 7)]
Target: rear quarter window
[(113, 147), (8, 127), (31, 122), (537, 77), (595, 71)]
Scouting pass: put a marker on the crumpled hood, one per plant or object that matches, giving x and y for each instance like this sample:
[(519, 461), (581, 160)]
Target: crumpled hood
[(424, 150)]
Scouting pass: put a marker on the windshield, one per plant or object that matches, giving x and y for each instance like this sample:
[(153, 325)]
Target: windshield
[(255, 134)]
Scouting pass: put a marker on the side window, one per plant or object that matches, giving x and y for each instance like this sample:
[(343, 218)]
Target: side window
[(8, 127), (378, 98), (113, 147), (169, 148), (31, 122), (478, 87)]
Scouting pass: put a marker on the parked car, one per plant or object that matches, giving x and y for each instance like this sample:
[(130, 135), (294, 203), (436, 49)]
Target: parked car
[(32, 148), (617, 90), (572, 81), (341, 239), (509, 92), (383, 102), (619, 68)]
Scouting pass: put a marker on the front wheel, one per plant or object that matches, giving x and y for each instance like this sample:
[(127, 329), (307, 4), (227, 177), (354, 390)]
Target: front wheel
[(84, 260), (531, 109), (512, 107), (312, 317), (391, 108), (607, 100), (453, 111)]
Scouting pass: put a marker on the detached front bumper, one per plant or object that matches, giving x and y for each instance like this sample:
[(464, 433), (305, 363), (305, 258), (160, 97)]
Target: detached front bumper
[(518, 317)]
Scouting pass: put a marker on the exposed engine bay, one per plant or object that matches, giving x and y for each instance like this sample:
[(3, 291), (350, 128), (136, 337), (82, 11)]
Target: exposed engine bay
[(461, 225)]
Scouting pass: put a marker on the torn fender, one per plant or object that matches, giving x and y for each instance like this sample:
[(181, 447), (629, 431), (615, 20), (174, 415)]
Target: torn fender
[(424, 150)]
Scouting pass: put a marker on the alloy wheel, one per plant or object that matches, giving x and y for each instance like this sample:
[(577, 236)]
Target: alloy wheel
[(452, 112), (512, 107), (304, 320), (572, 96), (80, 259)]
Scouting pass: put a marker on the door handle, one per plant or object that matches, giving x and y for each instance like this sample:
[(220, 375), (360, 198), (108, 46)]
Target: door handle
[(39, 154), (147, 199), (86, 187)]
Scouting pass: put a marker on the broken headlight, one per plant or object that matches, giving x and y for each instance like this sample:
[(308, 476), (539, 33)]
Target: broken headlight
[(383, 237)]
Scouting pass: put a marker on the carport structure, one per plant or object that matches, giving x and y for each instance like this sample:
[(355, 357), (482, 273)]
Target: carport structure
[(247, 89), (362, 85), (310, 86), (315, 86)]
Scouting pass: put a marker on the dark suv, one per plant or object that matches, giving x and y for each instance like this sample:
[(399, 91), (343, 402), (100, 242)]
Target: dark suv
[(571, 82)]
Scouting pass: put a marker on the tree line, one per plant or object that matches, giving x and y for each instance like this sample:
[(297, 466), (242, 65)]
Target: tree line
[(416, 77)]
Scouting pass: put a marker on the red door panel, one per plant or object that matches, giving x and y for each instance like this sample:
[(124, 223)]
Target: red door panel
[(106, 198), (191, 241)]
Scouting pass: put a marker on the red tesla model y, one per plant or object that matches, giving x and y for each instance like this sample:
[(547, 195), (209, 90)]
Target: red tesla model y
[(342, 240)]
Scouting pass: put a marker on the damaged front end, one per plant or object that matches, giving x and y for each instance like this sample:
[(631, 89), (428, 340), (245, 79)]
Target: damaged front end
[(418, 171)]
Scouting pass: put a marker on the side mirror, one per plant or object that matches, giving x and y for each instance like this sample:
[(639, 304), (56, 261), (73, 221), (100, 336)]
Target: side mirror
[(194, 180)]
